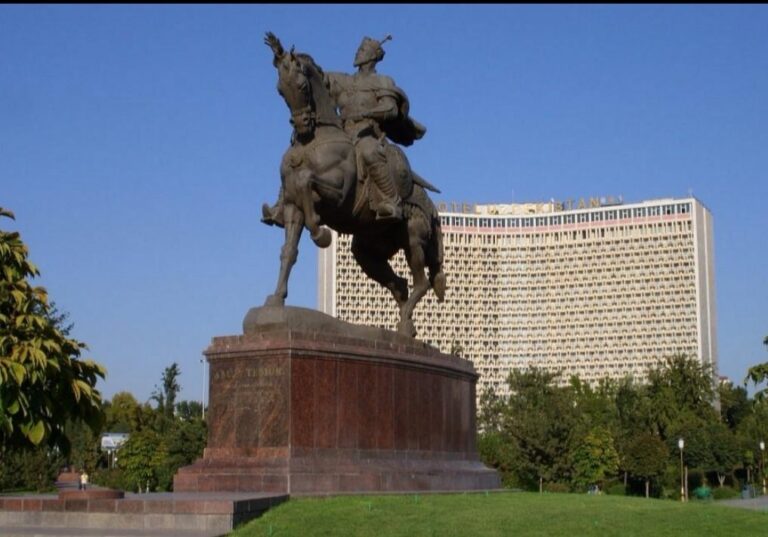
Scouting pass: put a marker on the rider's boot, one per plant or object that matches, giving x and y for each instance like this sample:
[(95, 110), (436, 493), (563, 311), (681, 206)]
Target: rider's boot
[(273, 215), (389, 206)]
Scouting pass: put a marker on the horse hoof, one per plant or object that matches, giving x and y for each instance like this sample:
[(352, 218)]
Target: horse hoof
[(407, 328), (322, 238), (274, 300)]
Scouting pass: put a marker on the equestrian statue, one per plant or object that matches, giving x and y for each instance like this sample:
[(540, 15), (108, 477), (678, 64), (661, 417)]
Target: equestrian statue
[(345, 171)]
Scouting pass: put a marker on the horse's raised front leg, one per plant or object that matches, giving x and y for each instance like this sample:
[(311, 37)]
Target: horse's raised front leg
[(294, 225), (320, 234)]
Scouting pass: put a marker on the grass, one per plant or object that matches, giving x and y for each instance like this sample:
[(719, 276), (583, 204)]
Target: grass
[(490, 515)]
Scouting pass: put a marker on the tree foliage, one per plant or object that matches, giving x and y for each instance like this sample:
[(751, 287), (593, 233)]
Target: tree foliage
[(759, 374), (539, 421), (646, 458), (43, 381), (142, 458), (165, 396), (595, 458), (582, 434), (162, 439), (30, 468)]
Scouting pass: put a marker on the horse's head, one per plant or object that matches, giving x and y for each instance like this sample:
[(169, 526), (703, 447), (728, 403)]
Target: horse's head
[(294, 84)]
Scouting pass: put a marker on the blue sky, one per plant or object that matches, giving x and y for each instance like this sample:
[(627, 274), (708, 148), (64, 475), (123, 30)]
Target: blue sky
[(137, 144)]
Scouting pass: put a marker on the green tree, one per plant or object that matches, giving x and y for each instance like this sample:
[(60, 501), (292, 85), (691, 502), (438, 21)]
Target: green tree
[(185, 442), (646, 458), (142, 459), (697, 452), (85, 446), (166, 395), (123, 414), (540, 420), (680, 391), (726, 452), (751, 431), (596, 405), (189, 410), (735, 404), (43, 383), (759, 374), (595, 459)]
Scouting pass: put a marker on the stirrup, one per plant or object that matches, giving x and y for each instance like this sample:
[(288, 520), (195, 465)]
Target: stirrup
[(270, 216)]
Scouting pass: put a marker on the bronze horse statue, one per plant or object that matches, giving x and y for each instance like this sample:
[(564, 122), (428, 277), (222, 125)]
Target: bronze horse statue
[(321, 189)]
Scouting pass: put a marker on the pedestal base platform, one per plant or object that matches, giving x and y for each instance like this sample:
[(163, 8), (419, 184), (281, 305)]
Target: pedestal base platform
[(135, 515), (303, 403)]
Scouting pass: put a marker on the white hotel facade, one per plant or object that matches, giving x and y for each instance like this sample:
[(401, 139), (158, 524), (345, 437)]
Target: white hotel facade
[(598, 288)]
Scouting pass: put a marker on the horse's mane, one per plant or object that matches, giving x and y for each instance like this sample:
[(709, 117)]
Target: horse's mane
[(307, 60)]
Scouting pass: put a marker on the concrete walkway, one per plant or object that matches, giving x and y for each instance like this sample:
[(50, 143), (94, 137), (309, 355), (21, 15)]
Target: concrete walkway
[(9, 531), (758, 504)]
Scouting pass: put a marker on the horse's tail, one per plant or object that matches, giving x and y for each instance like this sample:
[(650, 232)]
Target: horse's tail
[(436, 274), (420, 203), (434, 254)]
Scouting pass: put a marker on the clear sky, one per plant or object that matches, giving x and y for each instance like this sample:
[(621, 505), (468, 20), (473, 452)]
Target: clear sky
[(137, 144)]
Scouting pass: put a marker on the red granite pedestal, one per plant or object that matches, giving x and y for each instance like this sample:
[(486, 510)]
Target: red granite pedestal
[(305, 404)]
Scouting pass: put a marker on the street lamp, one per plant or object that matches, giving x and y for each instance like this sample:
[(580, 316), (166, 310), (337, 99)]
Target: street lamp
[(762, 463), (681, 445)]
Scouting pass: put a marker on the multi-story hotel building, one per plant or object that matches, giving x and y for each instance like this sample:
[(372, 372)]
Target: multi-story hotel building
[(597, 288)]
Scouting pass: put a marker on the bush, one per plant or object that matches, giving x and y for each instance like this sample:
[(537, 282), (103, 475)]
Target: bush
[(30, 469), (556, 487), (108, 477), (616, 490), (725, 493)]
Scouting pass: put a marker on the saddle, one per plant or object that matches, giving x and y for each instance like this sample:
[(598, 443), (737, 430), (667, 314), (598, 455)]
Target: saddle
[(399, 171)]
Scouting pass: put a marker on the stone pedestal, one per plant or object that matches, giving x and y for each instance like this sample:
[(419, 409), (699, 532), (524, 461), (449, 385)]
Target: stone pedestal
[(305, 404)]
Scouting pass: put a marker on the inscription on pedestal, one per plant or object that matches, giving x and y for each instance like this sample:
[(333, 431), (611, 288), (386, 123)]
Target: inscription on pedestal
[(249, 402)]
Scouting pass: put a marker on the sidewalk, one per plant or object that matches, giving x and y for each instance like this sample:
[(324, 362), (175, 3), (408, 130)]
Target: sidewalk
[(758, 504)]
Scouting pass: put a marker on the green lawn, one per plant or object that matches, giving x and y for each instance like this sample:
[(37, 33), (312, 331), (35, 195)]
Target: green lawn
[(519, 514)]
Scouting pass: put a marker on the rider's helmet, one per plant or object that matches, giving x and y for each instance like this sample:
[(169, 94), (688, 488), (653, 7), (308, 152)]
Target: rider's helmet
[(370, 50)]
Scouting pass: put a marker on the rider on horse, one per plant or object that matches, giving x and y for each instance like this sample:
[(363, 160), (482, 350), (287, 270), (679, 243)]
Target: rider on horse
[(371, 107)]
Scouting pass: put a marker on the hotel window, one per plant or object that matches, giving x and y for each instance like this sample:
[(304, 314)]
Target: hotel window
[(569, 219), (541, 221), (581, 218), (597, 217)]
